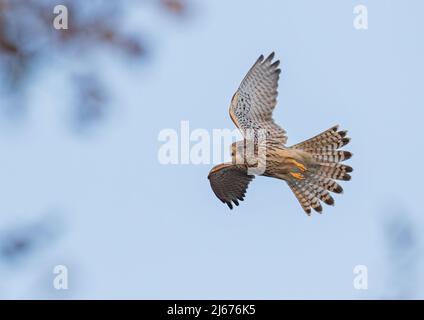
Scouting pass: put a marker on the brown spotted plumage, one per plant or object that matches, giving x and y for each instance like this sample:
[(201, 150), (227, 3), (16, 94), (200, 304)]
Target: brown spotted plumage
[(310, 168)]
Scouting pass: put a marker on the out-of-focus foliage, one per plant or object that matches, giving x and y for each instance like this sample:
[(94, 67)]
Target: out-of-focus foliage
[(29, 250), (402, 248), (28, 38), (18, 243)]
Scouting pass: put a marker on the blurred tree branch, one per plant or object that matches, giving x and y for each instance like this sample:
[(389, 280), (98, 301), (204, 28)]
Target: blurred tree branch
[(402, 249), (27, 36)]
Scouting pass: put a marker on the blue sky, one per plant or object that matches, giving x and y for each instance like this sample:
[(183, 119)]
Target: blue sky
[(139, 229)]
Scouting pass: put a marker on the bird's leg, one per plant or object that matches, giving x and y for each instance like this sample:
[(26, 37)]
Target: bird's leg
[(297, 175), (298, 165)]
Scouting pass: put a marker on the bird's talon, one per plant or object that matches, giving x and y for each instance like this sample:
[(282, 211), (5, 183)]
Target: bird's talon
[(299, 165), (297, 175)]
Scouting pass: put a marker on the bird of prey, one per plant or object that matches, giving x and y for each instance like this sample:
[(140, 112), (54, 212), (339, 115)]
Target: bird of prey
[(310, 168)]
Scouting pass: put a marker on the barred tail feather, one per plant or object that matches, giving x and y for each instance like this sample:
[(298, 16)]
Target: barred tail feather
[(319, 181), (327, 184), (303, 200), (334, 171), (328, 140), (332, 156), (305, 196)]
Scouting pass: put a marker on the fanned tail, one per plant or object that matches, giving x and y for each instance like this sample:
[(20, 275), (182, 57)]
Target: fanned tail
[(319, 180)]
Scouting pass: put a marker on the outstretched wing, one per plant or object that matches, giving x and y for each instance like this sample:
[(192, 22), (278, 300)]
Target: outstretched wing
[(253, 103), (229, 182)]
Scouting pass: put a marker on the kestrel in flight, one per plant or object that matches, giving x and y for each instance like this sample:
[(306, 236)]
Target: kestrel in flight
[(310, 168)]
